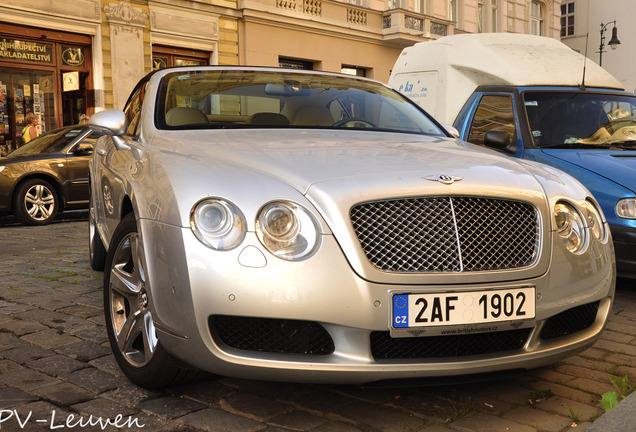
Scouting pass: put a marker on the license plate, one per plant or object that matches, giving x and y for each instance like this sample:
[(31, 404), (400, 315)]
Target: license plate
[(420, 310)]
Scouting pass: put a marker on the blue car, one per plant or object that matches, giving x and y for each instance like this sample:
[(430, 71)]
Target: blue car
[(534, 98), (589, 134)]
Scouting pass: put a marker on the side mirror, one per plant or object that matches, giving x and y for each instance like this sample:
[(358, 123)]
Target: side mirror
[(112, 123), (451, 130), (83, 149), (499, 140)]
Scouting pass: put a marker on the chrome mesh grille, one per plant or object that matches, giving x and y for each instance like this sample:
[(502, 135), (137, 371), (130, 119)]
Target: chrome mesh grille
[(447, 234)]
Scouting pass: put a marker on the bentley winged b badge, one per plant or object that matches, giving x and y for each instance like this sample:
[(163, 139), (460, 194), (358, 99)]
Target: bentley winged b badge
[(444, 178)]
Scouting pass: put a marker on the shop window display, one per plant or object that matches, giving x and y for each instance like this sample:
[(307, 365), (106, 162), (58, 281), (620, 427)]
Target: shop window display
[(45, 73), (23, 92)]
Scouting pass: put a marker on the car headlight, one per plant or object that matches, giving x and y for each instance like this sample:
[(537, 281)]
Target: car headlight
[(287, 230), (594, 218), (626, 208), (218, 223), (570, 227)]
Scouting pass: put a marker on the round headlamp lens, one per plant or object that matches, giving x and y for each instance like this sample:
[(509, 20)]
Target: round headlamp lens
[(280, 222), (214, 218), (218, 224), (570, 227), (287, 230), (595, 221)]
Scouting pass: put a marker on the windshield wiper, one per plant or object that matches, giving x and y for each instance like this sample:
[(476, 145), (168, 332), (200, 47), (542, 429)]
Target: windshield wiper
[(623, 145), (578, 145)]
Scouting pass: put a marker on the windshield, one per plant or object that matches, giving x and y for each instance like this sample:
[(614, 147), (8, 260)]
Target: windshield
[(51, 142), (577, 119), (204, 99)]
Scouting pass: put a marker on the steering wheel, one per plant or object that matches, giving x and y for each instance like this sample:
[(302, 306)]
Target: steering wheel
[(346, 121)]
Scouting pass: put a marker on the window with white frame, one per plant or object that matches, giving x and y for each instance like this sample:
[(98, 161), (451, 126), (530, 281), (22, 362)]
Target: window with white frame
[(567, 19), (536, 18), (480, 17), (354, 70)]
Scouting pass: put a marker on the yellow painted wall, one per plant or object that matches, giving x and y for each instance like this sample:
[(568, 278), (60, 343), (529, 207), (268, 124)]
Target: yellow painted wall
[(265, 43), (228, 41)]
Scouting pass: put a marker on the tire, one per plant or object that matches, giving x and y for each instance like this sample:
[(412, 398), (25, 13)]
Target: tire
[(129, 322), (35, 202), (96, 249)]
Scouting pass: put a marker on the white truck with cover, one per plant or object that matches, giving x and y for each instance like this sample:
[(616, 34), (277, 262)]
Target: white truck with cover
[(535, 98)]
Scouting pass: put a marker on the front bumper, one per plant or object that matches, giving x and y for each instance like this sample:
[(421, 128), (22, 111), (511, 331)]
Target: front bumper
[(191, 286), (625, 247)]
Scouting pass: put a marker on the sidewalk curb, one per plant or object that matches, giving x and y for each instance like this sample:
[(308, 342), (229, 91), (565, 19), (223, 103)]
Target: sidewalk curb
[(620, 418)]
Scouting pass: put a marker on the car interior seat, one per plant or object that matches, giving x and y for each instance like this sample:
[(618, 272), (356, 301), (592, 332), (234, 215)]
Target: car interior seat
[(179, 116), (268, 119), (313, 116)]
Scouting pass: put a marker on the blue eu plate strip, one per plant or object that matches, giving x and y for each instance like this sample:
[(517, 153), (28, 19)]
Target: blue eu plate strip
[(400, 311)]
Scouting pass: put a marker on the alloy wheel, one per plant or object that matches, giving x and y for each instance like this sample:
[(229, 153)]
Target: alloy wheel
[(131, 318), (39, 202)]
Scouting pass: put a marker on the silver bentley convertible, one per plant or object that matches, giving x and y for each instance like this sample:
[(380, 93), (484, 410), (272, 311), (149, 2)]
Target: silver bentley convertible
[(315, 227)]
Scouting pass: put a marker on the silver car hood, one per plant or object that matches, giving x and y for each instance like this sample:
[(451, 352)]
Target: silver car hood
[(306, 159), (336, 170)]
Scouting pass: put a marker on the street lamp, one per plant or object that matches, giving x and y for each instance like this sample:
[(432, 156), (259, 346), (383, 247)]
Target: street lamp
[(613, 43)]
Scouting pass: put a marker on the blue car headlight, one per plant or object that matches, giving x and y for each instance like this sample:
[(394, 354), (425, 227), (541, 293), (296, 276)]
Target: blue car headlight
[(626, 208)]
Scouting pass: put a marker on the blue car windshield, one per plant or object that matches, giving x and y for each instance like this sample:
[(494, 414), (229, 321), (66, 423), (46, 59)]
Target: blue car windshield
[(581, 119), (215, 99), (50, 142)]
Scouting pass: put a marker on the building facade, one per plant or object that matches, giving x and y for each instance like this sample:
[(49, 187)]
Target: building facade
[(581, 25), (62, 59)]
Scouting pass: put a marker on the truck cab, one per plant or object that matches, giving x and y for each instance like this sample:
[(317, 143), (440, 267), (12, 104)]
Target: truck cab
[(534, 98)]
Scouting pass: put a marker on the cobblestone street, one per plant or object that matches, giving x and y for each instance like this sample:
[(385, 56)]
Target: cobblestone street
[(56, 369)]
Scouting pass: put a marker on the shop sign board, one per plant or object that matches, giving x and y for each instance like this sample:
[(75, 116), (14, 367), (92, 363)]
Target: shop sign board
[(188, 62), (159, 62), (15, 49), (72, 56)]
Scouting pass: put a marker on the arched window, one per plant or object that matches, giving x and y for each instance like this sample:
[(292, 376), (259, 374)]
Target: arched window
[(536, 18)]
